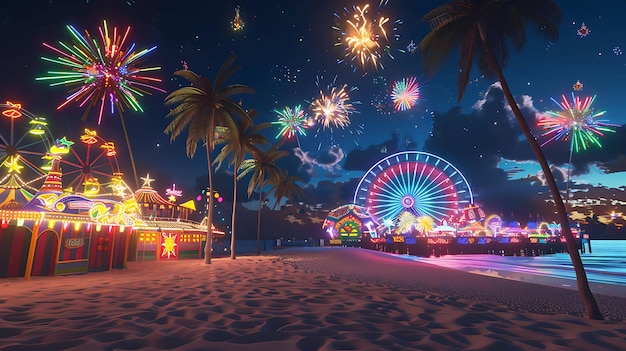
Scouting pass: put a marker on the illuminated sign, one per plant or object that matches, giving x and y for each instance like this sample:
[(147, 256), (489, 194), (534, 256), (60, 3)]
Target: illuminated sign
[(74, 243), (398, 238), (173, 191), (437, 241), (335, 241), (410, 240), (483, 240)]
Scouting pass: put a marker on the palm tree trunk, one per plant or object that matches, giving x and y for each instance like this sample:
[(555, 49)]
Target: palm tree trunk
[(209, 211), (130, 151), (581, 276), (232, 222), (258, 226)]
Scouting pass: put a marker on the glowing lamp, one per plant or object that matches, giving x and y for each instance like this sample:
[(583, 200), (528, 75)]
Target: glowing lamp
[(38, 125), (89, 137), (220, 199), (47, 166), (109, 147), (92, 186), (13, 112)]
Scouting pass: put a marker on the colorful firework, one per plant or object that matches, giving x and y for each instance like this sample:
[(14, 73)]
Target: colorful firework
[(333, 109), (576, 121), (104, 73), (405, 93), (292, 122), (365, 38)]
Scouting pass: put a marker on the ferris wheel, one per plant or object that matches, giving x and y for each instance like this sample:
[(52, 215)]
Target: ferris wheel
[(419, 182), (91, 167), (24, 141)]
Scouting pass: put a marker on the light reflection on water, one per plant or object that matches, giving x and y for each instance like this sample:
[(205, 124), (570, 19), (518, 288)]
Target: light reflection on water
[(605, 267)]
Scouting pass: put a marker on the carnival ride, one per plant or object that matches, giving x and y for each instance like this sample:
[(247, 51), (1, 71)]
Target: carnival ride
[(423, 203), (65, 207), (411, 181), (25, 140)]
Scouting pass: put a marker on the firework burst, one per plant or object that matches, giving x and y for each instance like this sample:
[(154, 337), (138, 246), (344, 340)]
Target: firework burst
[(292, 122), (405, 93), (333, 110), (104, 72), (365, 37), (577, 121)]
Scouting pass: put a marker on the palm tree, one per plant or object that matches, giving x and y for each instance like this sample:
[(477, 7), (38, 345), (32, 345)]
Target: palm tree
[(265, 171), (200, 108), (242, 138), (483, 30), (286, 187)]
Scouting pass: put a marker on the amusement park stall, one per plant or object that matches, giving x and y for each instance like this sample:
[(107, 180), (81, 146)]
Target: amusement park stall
[(166, 232), (35, 243), (419, 203), (65, 207)]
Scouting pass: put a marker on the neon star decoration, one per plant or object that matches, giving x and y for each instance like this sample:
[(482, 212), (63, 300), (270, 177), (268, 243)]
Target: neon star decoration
[(169, 245), (13, 165), (61, 147), (147, 181), (104, 72), (577, 122)]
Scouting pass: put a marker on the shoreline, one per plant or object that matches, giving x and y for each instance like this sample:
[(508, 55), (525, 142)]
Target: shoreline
[(302, 299), (444, 281)]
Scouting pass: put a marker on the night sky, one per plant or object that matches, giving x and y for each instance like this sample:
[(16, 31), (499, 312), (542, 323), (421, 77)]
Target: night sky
[(287, 53)]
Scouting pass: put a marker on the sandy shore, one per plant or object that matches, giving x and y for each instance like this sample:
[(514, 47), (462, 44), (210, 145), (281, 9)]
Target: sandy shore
[(303, 299)]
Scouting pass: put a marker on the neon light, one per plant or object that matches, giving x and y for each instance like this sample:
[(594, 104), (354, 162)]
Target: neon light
[(14, 111), (174, 192), (421, 182), (437, 241), (169, 245)]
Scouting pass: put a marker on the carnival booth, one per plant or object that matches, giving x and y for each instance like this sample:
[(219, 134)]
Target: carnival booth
[(167, 233), (349, 225), (56, 232)]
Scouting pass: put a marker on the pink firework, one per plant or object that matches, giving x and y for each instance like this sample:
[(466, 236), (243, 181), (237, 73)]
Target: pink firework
[(405, 93)]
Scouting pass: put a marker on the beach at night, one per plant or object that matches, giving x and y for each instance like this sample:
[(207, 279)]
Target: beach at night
[(299, 299)]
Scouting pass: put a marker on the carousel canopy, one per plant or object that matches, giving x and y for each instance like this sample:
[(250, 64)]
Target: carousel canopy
[(13, 195)]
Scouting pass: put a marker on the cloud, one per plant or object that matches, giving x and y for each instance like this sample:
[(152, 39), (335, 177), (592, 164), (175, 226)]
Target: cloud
[(362, 160), (327, 160)]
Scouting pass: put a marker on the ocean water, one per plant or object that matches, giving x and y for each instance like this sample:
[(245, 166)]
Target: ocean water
[(605, 267)]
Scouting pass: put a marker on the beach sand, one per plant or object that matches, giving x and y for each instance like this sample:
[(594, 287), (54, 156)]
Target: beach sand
[(299, 299)]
